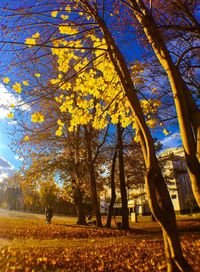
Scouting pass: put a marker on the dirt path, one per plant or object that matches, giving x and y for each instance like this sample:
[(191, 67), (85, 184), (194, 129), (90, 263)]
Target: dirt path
[(184, 222)]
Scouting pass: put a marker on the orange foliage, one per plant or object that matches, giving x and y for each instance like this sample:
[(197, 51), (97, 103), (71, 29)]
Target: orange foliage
[(115, 254), (36, 229)]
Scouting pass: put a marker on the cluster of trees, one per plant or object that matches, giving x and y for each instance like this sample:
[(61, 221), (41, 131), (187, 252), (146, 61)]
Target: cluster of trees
[(77, 169), (80, 87), (20, 192)]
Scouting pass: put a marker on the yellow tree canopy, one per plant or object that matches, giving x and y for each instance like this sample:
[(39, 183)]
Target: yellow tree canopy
[(87, 86)]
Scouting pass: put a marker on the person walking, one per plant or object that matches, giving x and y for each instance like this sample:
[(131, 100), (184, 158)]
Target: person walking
[(49, 214)]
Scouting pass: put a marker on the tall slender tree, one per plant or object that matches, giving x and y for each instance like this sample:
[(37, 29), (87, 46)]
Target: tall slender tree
[(187, 110), (158, 195)]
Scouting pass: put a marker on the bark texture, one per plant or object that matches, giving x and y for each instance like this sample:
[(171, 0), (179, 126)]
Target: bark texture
[(113, 194), (125, 213), (93, 185), (78, 200)]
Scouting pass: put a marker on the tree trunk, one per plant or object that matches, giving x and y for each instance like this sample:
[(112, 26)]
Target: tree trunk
[(156, 188), (93, 184), (162, 208), (125, 213), (95, 196), (113, 194), (78, 200), (187, 111), (171, 266)]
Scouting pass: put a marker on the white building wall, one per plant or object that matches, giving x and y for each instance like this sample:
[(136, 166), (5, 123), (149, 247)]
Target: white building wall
[(179, 187), (181, 191)]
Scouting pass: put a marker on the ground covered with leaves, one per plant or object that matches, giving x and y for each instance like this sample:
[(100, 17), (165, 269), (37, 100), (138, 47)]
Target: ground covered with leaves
[(30, 245)]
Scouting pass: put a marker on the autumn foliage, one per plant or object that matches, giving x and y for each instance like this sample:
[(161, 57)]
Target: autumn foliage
[(36, 246), (77, 82)]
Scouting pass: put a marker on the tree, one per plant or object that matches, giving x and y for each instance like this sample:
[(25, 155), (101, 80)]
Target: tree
[(13, 191), (122, 182), (112, 187), (187, 110), (48, 192)]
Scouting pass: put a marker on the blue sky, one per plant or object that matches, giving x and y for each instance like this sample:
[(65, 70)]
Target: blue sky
[(8, 159), (5, 145)]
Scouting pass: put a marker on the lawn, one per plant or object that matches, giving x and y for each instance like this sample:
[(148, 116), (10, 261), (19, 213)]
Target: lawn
[(28, 244)]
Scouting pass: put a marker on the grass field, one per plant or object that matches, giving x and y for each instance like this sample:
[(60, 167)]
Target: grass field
[(28, 244)]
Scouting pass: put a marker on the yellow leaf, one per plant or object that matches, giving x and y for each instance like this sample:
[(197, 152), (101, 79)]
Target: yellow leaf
[(10, 115), (30, 42), (151, 123), (26, 138), (64, 17), (36, 35), (25, 82), (17, 87), (37, 117), (54, 13), (165, 131), (60, 123), (6, 80), (59, 131), (68, 8)]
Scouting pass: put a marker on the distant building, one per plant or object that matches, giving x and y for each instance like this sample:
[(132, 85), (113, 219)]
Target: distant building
[(178, 181), (174, 169)]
